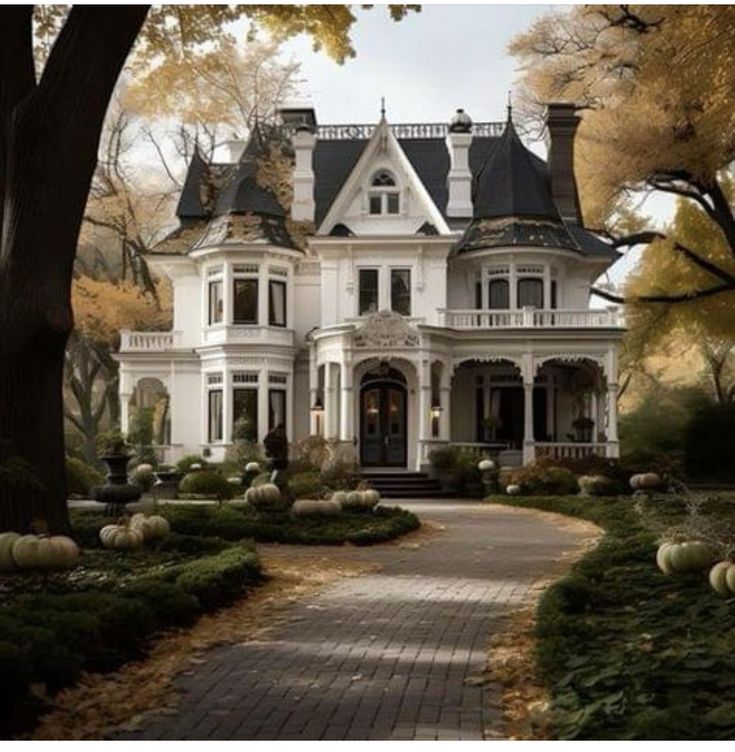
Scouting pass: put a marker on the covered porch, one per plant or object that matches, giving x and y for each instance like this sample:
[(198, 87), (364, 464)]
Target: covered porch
[(558, 406)]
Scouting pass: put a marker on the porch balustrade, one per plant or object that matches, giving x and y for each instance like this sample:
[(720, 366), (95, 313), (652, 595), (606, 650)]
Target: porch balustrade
[(560, 450), (147, 341), (531, 318)]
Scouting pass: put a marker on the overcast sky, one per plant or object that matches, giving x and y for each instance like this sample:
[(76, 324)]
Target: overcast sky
[(426, 66)]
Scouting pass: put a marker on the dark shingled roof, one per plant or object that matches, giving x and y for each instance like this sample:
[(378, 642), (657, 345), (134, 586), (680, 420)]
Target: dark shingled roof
[(511, 193), (510, 183)]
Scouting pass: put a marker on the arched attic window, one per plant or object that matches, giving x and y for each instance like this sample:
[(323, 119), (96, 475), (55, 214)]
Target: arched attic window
[(385, 195)]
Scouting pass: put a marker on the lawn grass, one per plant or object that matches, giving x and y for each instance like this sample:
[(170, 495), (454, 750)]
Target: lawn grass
[(626, 651)]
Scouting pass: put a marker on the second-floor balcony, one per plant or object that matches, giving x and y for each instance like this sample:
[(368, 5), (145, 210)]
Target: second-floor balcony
[(532, 318)]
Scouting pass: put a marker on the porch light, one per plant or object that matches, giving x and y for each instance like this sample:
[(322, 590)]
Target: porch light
[(318, 406), (436, 411)]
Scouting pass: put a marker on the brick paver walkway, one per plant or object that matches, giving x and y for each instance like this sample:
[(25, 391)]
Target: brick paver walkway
[(383, 655)]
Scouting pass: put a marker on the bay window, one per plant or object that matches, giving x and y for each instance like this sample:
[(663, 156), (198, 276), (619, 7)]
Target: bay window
[(498, 294), (245, 413), (276, 408), (245, 301), (216, 302), (276, 303), (215, 412), (530, 292)]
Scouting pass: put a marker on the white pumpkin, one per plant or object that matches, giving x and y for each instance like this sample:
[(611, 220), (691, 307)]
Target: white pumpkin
[(485, 465), (312, 508), (730, 578), (267, 495), (121, 537), (718, 577), (7, 563), (339, 496), (513, 490), (252, 467), (154, 527), (687, 556), (370, 497), (646, 482), (45, 552)]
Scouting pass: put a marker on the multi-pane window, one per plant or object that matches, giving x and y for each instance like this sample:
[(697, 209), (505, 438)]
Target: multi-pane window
[(245, 413), (245, 301), (216, 426), (384, 194), (400, 291), (498, 294), (216, 302), (530, 292), (276, 408), (368, 295), (276, 303)]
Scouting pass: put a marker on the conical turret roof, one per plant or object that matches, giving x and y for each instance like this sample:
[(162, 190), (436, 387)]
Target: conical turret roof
[(510, 184)]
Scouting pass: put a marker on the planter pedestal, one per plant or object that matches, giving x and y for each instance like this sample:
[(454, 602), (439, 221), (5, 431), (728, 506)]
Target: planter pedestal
[(117, 492)]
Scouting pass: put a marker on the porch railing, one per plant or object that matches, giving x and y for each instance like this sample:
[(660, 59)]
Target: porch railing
[(532, 318), (146, 341), (560, 450)]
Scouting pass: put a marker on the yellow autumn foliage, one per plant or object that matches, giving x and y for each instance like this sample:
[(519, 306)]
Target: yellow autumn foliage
[(102, 308)]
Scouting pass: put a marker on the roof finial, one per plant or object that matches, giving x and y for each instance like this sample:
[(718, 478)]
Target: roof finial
[(510, 108), (382, 108)]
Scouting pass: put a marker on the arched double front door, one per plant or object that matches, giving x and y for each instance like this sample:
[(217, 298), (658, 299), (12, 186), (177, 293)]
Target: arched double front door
[(383, 418)]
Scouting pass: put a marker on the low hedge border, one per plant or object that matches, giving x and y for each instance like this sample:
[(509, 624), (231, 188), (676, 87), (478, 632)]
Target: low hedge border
[(193, 525), (627, 652), (50, 638)]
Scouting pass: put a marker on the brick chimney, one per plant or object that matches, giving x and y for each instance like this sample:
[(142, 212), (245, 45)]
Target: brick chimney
[(562, 121)]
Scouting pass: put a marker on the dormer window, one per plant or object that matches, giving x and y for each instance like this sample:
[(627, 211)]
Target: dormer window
[(384, 194)]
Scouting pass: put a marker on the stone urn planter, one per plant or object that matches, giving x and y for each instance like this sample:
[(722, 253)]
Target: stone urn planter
[(117, 492), (167, 483)]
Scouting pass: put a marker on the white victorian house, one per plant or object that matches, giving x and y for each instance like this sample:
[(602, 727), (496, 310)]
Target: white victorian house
[(439, 296)]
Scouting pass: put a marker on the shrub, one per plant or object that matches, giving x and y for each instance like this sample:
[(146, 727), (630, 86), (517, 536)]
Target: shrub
[(542, 478), (643, 461), (169, 602), (306, 485), (217, 579), (207, 483), (143, 476), (183, 466), (310, 453), (708, 443), (444, 459), (599, 485), (339, 475), (81, 478)]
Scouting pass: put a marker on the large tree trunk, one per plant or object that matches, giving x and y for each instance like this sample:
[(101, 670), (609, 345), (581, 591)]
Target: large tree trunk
[(49, 135)]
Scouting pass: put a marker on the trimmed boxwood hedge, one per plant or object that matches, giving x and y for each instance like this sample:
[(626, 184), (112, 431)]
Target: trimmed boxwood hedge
[(51, 637)]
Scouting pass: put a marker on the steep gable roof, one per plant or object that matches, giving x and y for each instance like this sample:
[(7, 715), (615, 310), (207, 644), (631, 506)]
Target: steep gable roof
[(381, 141)]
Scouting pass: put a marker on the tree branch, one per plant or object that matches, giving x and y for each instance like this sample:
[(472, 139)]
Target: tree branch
[(683, 297)]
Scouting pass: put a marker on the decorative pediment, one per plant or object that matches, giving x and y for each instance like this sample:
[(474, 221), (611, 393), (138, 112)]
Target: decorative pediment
[(385, 329)]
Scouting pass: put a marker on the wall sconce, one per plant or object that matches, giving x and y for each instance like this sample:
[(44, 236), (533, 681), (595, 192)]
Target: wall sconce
[(318, 406), (436, 411)]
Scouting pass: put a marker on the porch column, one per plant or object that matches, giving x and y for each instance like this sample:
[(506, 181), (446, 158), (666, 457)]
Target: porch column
[(424, 401), (125, 398), (445, 392), (263, 388), (330, 404), (529, 451), (313, 390), (227, 408), (613, 443), (346, 430)]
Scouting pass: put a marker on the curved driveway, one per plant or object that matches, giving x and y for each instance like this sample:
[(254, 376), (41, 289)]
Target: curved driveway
[(387, 655)]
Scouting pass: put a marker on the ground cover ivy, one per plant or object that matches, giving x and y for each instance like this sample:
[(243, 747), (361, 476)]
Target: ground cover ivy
[(627, 652)]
